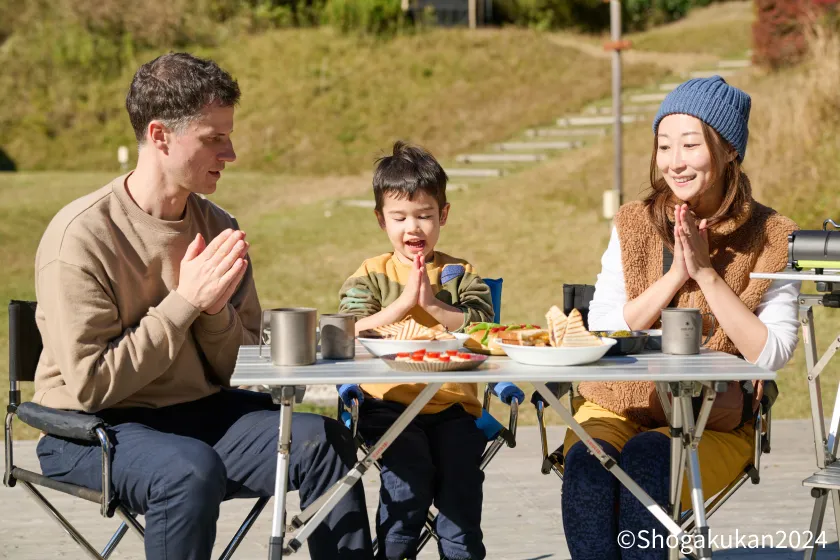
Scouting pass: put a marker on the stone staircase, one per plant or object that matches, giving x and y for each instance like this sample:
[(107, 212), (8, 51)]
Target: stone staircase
[(570, 132)]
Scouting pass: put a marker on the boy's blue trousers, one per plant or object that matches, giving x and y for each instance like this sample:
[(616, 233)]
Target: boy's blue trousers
[(435, 460), (176, 464)]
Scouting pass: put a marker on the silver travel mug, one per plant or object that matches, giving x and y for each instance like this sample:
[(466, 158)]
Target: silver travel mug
[(338, 336), (682, 330), (291, 335)]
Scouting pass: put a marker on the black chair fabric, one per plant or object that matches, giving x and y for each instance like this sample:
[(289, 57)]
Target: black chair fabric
[(578, 296), (61, 423), (25, 343)]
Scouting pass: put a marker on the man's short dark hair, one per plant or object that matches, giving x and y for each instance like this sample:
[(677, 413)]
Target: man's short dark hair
[(175, 88), (406, 171)]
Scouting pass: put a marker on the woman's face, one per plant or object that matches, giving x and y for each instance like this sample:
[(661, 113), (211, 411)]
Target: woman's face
[(683, 157)]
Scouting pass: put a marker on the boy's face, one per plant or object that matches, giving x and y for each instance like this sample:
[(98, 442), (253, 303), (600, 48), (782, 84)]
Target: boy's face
[(413, 226)]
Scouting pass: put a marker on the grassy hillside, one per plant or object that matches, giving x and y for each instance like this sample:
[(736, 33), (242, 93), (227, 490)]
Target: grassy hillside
[(719, 29), (315, 102)]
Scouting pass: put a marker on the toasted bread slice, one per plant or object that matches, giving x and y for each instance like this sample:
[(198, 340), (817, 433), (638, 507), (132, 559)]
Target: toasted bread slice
[(576, 335), (557, 322), (524, 337)]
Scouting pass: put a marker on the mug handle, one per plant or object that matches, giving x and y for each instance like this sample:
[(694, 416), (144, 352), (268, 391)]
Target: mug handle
[(712, 332), (265, 318)]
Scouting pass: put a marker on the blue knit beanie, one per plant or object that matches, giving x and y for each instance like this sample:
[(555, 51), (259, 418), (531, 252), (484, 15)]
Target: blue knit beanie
[(716, 103)]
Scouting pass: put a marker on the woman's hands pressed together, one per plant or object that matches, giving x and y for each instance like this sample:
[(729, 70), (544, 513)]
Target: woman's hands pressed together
[(691, 245)]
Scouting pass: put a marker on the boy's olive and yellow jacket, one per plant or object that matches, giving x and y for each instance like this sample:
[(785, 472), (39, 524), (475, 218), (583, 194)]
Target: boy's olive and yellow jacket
[(380, 281)]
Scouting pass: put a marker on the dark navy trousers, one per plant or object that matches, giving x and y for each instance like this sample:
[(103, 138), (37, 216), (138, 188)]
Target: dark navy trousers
[(435, 460), (176, 464), (597, 508)]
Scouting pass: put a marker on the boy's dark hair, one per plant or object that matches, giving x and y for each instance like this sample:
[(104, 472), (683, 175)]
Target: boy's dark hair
[(408, 170), (174, 88)]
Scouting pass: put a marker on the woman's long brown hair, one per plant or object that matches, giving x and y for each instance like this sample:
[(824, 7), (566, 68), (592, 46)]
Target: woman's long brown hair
[(736, 187)]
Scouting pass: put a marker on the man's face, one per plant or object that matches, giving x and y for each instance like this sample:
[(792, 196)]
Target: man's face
[(195, 157), (413, 226)]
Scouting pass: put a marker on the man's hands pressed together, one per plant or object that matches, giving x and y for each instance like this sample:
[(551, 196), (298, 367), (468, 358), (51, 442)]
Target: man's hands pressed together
[(210, 273)]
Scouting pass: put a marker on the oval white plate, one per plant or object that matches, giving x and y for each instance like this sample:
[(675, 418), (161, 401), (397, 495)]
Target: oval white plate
[(380, 347), (461, 337), (551, 356)]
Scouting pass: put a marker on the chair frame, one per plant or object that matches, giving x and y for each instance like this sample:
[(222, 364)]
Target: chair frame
[(507, 436), (109, 503), (574, 296), (554, 461)]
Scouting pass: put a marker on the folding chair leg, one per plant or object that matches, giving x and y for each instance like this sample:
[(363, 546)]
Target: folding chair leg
[(816, 523), (243, 529), (131, 519), (428, 531), (74, 534), (115, 540)]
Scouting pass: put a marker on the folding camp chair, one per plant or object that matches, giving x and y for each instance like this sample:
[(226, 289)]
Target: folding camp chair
[(497, 436), (25, 347), (579, 296)]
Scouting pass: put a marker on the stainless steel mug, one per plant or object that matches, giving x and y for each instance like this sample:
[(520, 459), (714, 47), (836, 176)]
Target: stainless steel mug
[(338, 336), (291, 335), (682, 330)]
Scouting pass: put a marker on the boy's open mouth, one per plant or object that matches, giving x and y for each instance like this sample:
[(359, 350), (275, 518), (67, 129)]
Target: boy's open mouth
[(416, 245)]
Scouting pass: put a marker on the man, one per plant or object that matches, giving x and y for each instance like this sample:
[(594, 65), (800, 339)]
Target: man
[(145, 293)]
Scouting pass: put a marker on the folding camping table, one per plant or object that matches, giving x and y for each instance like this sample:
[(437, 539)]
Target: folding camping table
[(681, 376)]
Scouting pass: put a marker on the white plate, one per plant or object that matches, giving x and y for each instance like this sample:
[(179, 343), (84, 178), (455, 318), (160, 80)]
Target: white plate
[(381, 347), (551, 356), (462, 337)]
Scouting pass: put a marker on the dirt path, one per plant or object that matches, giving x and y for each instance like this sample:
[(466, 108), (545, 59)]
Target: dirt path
[(675, 62)]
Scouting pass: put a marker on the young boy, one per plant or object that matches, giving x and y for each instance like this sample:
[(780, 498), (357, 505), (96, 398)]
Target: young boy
[(436, 459)]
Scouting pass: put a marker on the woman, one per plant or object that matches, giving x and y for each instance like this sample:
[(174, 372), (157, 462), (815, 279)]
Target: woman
[(700, 210)]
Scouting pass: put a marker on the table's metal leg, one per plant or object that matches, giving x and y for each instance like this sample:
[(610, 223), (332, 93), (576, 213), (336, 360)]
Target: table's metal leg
[(806, 318), (609, 463), (286, 398), (318, 510), (673, 412), (691, 440)]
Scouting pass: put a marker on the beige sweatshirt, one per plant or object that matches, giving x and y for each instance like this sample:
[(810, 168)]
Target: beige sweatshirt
[(116, 334)]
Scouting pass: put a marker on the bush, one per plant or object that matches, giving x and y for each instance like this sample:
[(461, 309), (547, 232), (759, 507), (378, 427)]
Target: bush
[(639, 14), (374, 17), (781, 27), (586, 15)]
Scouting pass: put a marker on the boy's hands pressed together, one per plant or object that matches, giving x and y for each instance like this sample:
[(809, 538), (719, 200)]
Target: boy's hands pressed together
[(411, 294), (426, 297)]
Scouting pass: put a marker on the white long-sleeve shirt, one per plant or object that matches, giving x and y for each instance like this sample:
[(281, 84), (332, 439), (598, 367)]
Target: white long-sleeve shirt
[(778, 309)]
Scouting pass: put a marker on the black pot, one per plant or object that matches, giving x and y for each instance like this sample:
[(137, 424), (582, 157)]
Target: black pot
[(625, 345)]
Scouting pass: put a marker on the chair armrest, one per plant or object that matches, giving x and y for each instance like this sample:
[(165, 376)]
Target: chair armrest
[(62, 423)]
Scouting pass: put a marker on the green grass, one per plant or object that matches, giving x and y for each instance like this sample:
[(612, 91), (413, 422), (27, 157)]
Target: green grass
[(721, 29), (315, 102)]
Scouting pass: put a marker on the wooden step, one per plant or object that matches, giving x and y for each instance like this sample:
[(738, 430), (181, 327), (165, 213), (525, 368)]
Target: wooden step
[(473, 172), (499, 158), (735, 63), (597, 121), (668, 87), (363, 203), (564, 132), (505, 146), (627, 109), (709, 73), (647, 97)]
